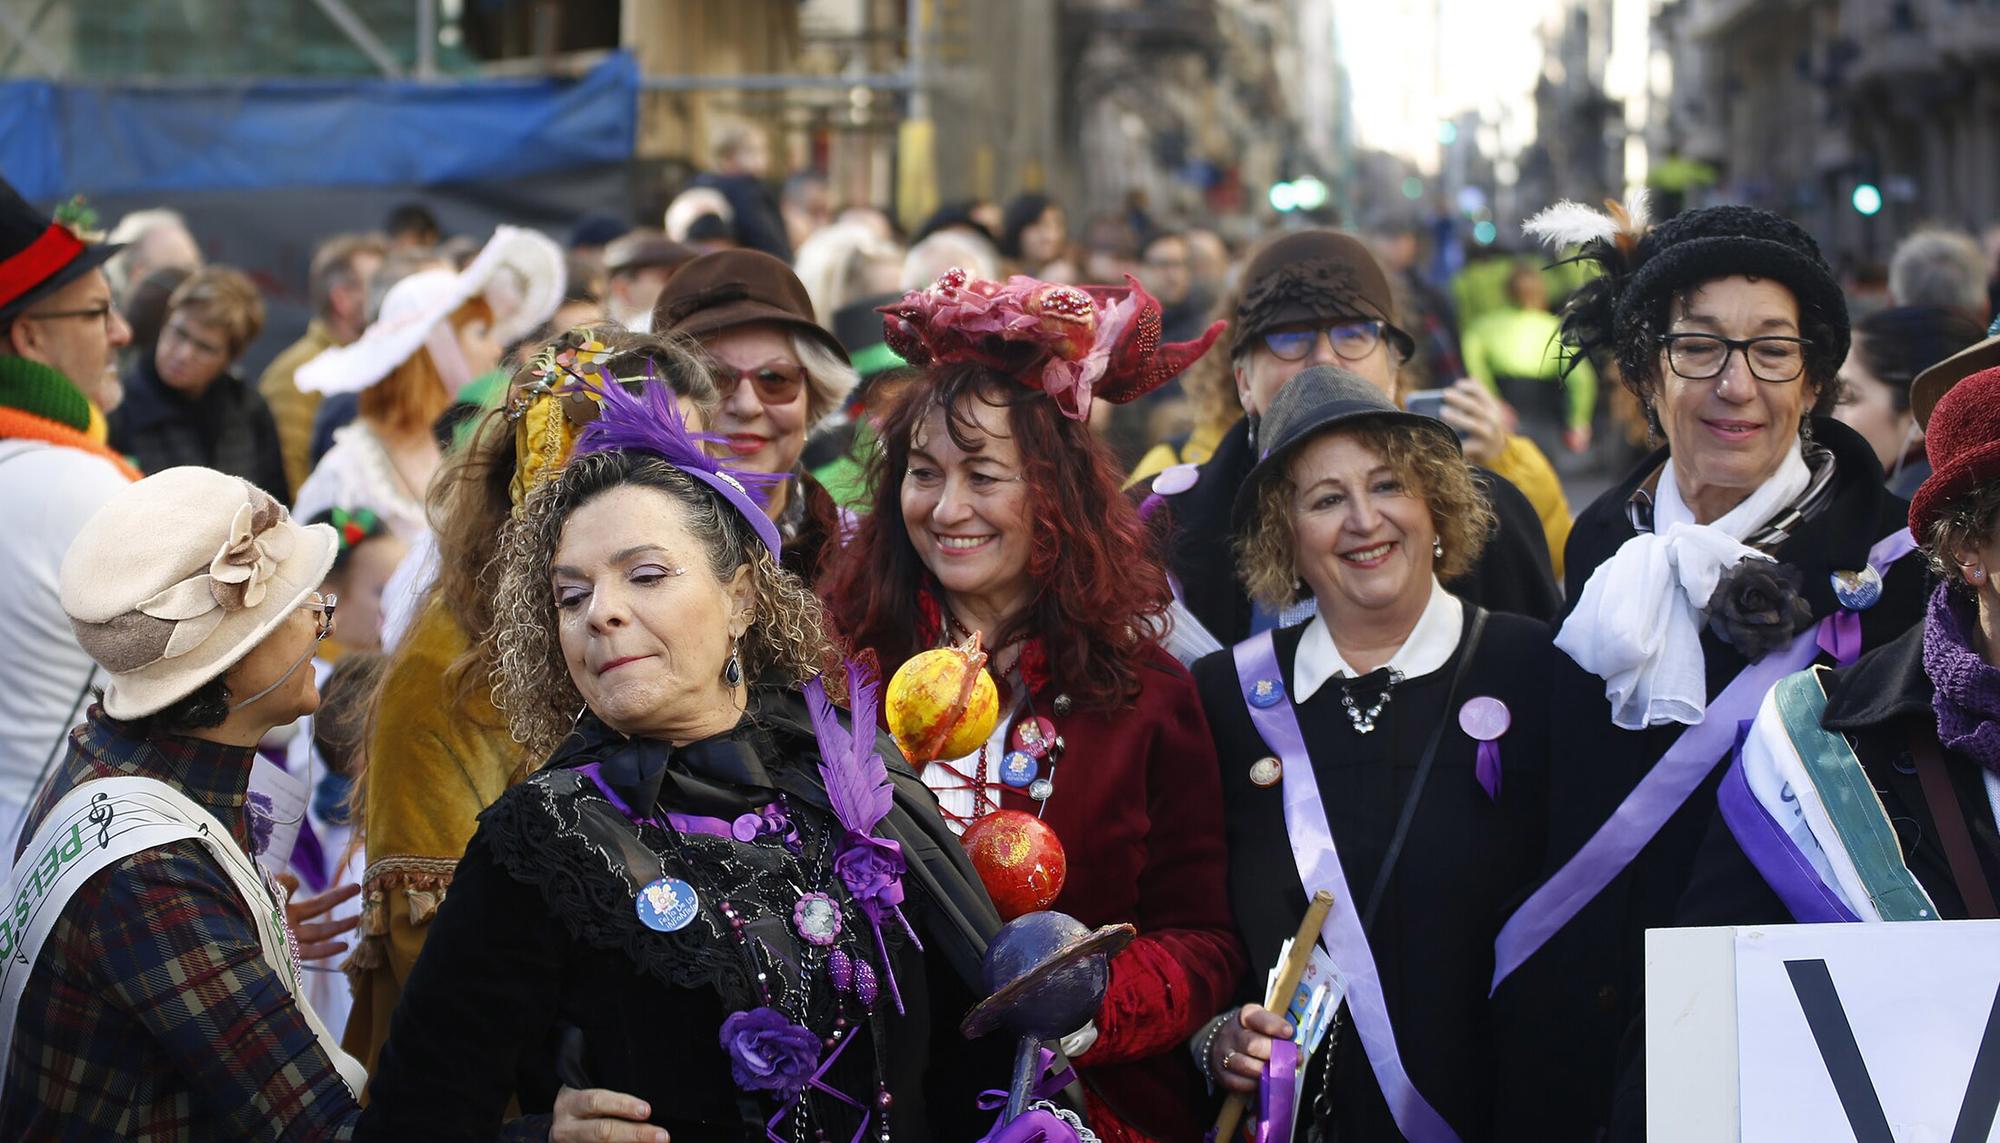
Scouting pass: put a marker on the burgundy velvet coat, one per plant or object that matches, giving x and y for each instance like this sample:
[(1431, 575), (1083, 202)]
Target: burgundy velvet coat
[(1138, 807)]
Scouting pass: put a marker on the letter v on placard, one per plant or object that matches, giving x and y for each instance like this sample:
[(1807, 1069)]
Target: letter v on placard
[(1819, 1000)]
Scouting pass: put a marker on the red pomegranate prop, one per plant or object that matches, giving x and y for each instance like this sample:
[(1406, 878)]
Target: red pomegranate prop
[(1019, 859)]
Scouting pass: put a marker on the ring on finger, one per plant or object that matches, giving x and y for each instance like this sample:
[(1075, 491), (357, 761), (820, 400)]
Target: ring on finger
[(1225, 1060)]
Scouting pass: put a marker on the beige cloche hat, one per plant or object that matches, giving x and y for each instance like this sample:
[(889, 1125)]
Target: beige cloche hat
[(179, 576)]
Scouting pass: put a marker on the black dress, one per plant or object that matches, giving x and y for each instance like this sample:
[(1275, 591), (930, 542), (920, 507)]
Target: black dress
[(538, 967), (1581, 994), (1468, 858), (1514, 573)]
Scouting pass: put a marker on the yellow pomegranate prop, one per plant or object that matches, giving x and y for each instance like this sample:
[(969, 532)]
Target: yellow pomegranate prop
[(942, 703)]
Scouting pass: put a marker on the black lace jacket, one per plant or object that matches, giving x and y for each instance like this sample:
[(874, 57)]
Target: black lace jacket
[(538, 955)]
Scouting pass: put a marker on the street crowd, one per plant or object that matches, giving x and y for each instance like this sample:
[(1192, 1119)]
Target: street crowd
[(479, 725)]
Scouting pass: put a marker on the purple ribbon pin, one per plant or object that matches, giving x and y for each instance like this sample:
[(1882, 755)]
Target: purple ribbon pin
[(1485, 719)]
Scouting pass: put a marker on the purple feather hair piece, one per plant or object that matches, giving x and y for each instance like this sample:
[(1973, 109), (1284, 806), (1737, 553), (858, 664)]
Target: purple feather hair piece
[(652, 422)]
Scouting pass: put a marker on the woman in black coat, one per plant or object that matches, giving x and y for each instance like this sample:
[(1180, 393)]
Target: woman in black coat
[(182, 404), (1420, 746), (716, 895), (1916, 718), (1759, 540)]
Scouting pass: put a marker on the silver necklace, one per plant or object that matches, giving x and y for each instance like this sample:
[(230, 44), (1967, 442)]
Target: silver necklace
[(1364, 721)]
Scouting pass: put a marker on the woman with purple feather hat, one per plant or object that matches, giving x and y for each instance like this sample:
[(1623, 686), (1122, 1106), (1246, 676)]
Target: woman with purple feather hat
[(714, 895)]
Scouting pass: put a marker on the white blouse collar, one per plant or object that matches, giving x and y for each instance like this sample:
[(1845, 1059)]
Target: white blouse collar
[(1428, 648)]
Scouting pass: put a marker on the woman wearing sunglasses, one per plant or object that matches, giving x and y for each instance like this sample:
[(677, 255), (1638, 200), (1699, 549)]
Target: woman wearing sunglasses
[(779, 372), (1759, 540)]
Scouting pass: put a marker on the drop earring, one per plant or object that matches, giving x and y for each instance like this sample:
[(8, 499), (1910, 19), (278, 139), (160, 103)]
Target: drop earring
[(732, 671), (1437, 548)]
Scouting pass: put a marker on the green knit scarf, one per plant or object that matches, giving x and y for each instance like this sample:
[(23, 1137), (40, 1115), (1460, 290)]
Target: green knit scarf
[(33, 387)]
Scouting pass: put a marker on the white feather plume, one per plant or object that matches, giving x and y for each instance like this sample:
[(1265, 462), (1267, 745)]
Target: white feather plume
[(1638, 211), (1568, 224)]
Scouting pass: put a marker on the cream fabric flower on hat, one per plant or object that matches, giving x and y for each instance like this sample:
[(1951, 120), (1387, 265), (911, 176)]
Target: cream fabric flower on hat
[(255, 549)]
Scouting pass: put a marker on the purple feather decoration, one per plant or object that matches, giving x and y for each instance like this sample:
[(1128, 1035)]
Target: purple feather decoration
[(857, 782), (653, 422), (858, 789)]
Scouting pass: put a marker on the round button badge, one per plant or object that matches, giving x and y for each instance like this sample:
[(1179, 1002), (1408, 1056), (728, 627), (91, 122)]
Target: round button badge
[(1484, 718), (666, 905)]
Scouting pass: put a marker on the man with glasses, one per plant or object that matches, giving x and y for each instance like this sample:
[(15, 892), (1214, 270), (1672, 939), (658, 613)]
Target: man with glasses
[(1317, 297), (59, 337), (184, 404)]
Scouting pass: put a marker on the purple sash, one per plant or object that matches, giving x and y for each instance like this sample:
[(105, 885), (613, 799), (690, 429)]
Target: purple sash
[(1670, 781), (1784, 868), (1319, 868)]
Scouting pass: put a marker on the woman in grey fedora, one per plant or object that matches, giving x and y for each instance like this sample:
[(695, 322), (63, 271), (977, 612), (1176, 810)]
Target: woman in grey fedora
[(1392, 749)]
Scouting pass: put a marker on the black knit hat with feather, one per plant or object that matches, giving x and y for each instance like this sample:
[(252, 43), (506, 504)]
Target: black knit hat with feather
[(1621, 313)]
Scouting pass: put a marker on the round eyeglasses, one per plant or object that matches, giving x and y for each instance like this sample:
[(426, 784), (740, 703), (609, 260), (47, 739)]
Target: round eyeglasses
[(1702, 356), (1351, 340)]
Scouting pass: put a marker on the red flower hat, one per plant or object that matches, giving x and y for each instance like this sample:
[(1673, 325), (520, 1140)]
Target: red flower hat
[(1074, 343)]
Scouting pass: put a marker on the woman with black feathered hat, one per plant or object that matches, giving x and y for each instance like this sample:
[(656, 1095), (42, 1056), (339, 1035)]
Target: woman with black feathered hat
[(1758, 541)]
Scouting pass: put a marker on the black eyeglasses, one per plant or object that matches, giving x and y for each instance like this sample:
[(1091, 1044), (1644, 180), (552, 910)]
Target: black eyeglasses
[(1351, 340), (1701, 356), (101, 313)]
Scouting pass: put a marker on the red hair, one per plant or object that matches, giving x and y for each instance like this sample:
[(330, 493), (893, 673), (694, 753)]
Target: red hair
[(1101, 590)]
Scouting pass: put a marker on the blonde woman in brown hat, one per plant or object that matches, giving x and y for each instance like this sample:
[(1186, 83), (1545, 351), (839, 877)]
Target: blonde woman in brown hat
[(780, 373)]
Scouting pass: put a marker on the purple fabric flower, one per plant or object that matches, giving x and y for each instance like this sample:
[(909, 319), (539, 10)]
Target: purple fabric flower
[(767, 1052), (872, 869)]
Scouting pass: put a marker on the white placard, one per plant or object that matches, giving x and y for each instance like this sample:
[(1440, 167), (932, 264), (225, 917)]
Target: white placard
[(1845, 1030)]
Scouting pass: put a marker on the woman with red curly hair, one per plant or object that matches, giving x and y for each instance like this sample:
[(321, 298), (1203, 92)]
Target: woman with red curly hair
[(996, 512)]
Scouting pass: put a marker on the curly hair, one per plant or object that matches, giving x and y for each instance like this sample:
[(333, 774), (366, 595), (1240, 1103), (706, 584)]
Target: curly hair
[(1100, 584), (787, 634), (1267, 559), (1964, 521)]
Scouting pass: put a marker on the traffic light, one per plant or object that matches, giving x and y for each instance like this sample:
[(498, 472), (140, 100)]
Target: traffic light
[(1867, 199)]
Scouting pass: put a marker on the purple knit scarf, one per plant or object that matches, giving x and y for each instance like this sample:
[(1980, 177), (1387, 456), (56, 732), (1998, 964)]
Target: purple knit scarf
[(1968, 687)]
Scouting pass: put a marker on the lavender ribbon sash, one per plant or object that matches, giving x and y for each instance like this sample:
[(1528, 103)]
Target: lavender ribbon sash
[(1666, 786), (1319, 868)]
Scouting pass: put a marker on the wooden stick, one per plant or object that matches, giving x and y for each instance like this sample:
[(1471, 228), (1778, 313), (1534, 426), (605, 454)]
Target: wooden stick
[(1281, 992)]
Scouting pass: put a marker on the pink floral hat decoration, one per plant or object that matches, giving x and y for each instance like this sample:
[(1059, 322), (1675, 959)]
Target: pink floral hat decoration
[(1075, 343)]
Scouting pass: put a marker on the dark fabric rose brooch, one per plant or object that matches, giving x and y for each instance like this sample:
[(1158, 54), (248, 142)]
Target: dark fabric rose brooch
[(1757, 607)]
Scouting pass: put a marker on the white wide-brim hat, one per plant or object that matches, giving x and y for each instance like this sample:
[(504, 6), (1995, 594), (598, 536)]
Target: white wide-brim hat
[(519, 272), (181, 575)]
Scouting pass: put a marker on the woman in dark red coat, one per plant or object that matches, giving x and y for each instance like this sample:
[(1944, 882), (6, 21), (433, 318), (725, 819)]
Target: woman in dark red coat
[(996, 512)]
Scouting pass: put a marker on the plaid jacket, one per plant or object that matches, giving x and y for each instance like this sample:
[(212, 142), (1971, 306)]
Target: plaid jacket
[(151, 1013)]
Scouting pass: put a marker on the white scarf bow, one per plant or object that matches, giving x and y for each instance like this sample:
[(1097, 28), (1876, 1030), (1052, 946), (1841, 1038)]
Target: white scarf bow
[(1638, 623)]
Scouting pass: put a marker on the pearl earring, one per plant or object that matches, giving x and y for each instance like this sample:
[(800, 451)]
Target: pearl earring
[(1437, 548)]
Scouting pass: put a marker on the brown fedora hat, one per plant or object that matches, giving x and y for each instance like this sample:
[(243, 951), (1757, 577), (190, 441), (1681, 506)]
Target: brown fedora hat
[(737, 287)]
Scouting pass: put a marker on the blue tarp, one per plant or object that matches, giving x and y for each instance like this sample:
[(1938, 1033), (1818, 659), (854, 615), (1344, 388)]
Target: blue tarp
[(60, 139)]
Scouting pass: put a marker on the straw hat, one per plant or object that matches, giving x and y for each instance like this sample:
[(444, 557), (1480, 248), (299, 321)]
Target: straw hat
[(519, 272), (179, 576)]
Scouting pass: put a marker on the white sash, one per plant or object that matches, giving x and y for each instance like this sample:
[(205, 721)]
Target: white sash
[(109, 819)]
